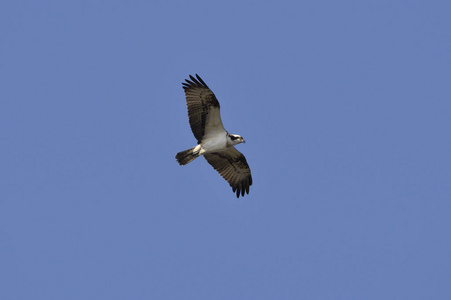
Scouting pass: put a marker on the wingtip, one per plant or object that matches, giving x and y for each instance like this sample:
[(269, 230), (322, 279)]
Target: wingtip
[(241, 191), (196, 81)]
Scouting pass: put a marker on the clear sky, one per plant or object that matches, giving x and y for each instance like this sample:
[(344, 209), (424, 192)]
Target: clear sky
[(346, 111)]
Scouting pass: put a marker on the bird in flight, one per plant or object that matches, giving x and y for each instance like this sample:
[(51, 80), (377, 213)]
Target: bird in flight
[(213, 141)]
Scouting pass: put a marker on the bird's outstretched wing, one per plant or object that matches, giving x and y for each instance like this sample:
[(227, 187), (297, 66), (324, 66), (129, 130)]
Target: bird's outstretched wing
[(203, 109), (233, 167)]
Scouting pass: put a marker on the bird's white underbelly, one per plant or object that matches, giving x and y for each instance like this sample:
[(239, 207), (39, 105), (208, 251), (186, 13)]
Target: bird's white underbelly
[(214, 144)]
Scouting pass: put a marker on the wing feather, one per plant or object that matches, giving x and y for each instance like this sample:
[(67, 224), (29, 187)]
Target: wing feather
[(203, 108), (232, 166)]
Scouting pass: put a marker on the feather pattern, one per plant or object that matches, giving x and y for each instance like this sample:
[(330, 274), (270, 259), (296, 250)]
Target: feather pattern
[(232, 166), (203, 108)]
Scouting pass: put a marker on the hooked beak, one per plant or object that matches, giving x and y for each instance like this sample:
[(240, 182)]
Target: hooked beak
[(243, 140)]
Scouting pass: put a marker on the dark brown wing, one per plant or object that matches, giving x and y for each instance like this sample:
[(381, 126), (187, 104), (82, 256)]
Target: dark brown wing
[(233, 167), (203, 109)]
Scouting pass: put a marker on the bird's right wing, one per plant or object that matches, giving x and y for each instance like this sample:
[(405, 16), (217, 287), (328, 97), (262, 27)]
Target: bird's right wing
[(203, 109)]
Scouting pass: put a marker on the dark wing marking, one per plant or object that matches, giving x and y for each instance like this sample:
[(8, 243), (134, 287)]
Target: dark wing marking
[(203, 108), (233, 167)]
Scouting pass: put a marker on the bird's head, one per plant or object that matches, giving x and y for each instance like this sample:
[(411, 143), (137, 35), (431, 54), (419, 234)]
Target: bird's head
[(236, 139)]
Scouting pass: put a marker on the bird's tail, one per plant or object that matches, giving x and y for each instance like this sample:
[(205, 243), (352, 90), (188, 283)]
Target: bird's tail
[(186, 156)]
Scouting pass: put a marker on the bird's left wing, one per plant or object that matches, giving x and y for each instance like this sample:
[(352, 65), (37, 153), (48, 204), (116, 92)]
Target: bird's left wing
[(232, 166)]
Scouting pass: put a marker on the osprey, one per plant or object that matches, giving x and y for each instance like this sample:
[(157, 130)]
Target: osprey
[(213, 141)]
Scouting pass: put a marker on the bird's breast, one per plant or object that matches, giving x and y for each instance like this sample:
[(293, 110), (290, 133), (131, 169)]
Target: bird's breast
[(214, 144)]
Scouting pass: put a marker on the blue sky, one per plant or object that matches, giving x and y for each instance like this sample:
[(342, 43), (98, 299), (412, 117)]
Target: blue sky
[(345, 107)]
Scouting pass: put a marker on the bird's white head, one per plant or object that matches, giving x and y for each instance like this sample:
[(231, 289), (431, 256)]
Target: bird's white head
[(235, 139)]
